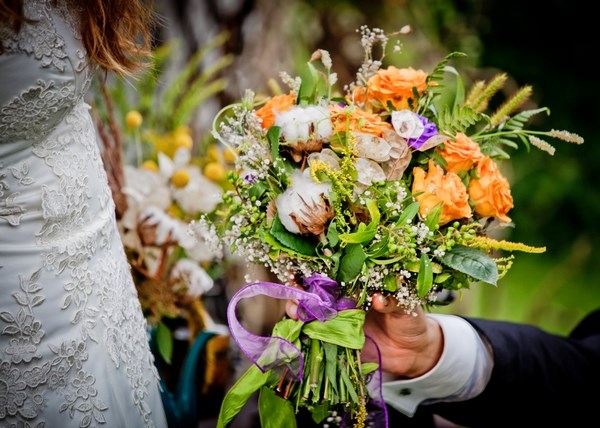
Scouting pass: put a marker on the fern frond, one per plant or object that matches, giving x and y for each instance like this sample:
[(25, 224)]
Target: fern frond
[(458, 119), (518, 121), (437, 74), (510, 105), (480, 102)]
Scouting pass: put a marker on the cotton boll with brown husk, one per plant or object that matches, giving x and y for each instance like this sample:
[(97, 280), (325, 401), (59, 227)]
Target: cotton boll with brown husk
[(304, 130), (303, 207)]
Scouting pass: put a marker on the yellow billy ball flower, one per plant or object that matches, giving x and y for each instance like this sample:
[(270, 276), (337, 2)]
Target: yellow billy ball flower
[(175, 211), (180, 178), (212, 152), (214, 171), (150, 165), (229, 155), (183, 139), (133, 119)]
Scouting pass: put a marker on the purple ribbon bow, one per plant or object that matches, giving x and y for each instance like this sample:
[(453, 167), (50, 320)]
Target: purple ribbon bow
[(320, 300)]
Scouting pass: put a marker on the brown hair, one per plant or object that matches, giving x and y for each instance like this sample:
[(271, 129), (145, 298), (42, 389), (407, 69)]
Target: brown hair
[(115, 33)]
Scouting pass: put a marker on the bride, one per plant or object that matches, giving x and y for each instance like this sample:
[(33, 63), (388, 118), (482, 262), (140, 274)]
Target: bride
[(73, 344)]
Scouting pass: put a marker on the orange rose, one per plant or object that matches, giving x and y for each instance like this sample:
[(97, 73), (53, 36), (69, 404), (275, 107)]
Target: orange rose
[(433, 187), (490, 192), (277, 104), (461, 153), (354, 119), (396, 86)]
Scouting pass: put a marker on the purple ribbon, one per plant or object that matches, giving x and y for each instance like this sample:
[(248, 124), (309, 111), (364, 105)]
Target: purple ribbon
[(377, 413), (320, 301)]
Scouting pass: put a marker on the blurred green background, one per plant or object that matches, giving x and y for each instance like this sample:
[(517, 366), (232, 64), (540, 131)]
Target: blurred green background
[(545, 44)]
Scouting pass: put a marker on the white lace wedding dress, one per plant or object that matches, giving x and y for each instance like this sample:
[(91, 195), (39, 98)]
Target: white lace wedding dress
[(73, 345)]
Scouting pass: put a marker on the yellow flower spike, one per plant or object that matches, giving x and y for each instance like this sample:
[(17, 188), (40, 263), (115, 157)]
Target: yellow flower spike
[(150, 165), (134, 119), (180, 178), (215, 171)]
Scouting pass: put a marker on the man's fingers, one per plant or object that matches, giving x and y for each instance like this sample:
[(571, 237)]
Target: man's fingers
[(384, 304), (291, 309)]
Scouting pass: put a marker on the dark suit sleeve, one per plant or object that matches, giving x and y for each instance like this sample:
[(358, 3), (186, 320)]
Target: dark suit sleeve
[(539, 379)]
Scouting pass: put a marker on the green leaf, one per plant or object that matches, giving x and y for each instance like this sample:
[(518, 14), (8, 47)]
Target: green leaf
[(241, 391), (365, 233), (351, 263), (390, 283), (380, 247), (164, 342), (433, 217), (332, 234), (320, 411), (408, 213), (308, 88), (290, 240), (345, 330), (425, 277), (273, 137), (348, 382), (472, 262), (366, 368), (274, 411), (331, 352)]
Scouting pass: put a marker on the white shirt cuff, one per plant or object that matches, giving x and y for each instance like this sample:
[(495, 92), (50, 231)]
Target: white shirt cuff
[(449, 376)]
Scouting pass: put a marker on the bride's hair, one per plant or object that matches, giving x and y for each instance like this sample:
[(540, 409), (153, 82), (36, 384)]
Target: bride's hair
[(115, 33)]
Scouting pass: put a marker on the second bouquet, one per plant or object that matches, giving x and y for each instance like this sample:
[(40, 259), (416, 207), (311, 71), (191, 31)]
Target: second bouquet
[(392, 185)]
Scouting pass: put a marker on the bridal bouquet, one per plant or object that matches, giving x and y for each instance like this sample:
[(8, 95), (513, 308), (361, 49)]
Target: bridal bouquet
[(393, 186)]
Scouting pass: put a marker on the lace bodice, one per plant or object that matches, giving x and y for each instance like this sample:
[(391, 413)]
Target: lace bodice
[(52, 76), (73, 345)]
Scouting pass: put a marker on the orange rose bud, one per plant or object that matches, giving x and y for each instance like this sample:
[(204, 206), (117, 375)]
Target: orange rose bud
[(277, 104), (396, 85), (433, 187), (357, 120), (490, 191), (460, 154)]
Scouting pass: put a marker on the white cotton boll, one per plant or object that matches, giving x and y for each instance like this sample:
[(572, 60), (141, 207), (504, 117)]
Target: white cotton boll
[(197, 280), (304, 123), (302, 126), (288, 124), (303, 191)]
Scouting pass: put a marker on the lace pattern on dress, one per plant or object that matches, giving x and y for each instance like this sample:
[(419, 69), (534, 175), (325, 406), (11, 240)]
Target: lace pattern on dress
[(39, 39), (98, 294)]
